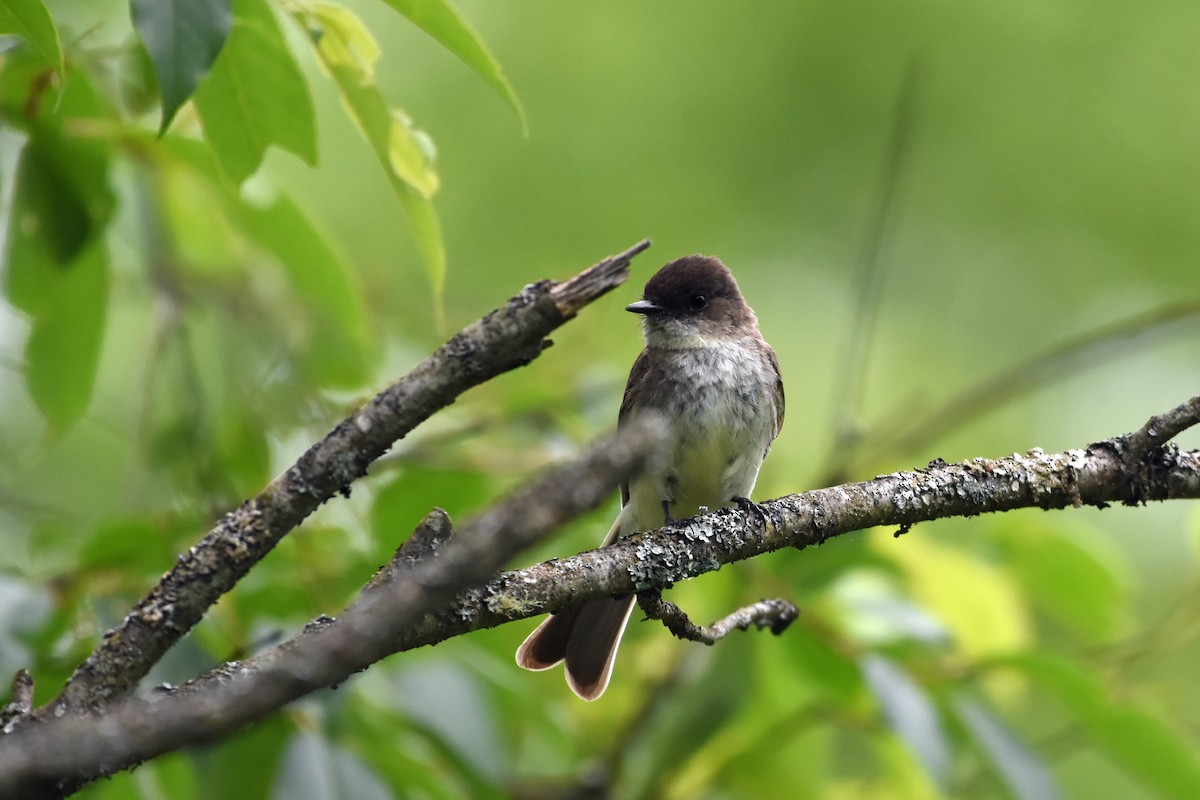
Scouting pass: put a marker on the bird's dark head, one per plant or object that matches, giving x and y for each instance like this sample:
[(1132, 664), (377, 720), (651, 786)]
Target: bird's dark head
[(693, 302)]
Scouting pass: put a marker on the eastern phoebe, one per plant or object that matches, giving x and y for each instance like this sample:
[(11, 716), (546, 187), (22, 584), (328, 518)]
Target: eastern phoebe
[(707, 369)]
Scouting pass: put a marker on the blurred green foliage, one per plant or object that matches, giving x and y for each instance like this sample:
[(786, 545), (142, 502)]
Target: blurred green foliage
[(183, 313)]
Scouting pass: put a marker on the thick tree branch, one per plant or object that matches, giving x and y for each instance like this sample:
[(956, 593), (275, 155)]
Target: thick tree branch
[(504, 339), (413, 601), (1097, 475), (46, 754)]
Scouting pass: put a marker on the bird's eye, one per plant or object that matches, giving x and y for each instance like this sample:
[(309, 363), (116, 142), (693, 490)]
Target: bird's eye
[(699, 301)]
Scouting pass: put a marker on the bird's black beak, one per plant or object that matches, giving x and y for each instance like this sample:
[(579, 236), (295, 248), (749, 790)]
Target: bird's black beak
[(643, 307)]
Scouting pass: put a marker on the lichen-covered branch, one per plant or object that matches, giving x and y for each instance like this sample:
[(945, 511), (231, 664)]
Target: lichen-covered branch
[(20, 704), (419, 599), (1161, 428), (775, 614), (1097, 475), (47, 754), (504, 339)]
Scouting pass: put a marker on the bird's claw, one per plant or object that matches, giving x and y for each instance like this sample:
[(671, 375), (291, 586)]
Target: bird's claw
[(748, 506)]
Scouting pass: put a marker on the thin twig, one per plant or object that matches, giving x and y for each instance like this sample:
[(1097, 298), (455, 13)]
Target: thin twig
[(774, 614)]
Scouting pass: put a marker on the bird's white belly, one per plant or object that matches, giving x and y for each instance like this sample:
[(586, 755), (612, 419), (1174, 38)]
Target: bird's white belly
[(722, 431)]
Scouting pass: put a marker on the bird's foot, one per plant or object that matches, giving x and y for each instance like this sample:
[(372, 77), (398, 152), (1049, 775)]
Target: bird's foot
[(748, 506)]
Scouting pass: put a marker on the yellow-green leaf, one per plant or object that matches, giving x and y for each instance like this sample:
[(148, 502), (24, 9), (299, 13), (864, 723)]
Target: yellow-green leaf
[(980, 604), (348, 52), (342, 38)]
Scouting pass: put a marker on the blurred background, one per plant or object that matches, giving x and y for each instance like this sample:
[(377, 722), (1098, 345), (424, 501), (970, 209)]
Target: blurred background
[(966, 229)]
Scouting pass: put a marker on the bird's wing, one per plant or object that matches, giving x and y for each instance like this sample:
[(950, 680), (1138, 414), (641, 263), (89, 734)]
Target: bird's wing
[(779, 404), (631, 402)]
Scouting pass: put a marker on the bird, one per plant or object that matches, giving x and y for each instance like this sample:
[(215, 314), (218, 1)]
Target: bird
[(716, 382)]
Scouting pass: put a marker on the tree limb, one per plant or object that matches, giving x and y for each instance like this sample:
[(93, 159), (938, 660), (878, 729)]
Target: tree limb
[(504, 339), (1096, 475), (48, 755), (413, 603)]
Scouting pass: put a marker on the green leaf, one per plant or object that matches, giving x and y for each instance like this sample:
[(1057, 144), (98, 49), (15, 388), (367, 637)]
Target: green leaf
[(1024, 773), (58, 272), (28, 89), (183, 38), (423, 221), (349, 52), (241, 448), (443, 702), (136, 546), (173, 775), (342, 39), (903, 777), (255, 96), (61, 203), (243, 765), (63, 350), (340, 346), (1069, 577), (821, 666), (695, 740), (50, 223), (30, 20), (910, 713), (388, 132), (1144, 744), (212, 251), (402, 502), (444, 23)]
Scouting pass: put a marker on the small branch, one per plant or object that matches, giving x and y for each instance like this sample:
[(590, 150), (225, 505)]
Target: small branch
[(422, 544), (21, 704), (502, 340), (774, 614), (1161, 429), (67, 749)]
